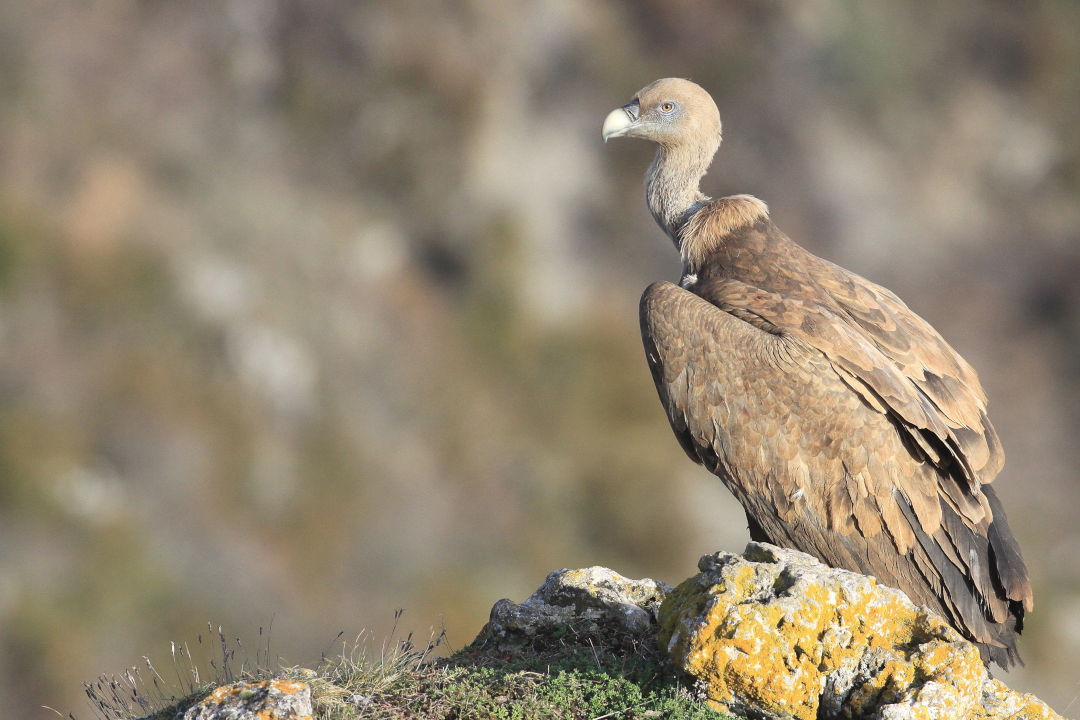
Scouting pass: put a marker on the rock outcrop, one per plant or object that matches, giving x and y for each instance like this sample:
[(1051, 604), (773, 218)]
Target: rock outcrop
[(774, 633), (768, 634), (266, 700), (577, 605)]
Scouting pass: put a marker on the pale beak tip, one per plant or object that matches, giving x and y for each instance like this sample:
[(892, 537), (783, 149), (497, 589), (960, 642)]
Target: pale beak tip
[(616, 124)]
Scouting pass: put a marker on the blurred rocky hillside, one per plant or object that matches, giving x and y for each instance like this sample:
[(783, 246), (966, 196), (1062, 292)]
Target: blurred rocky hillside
[(314, 310)]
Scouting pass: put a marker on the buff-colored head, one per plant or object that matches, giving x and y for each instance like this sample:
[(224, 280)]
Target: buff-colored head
[(671, 112)]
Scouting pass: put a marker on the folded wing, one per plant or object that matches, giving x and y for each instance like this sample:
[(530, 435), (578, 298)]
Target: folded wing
[(847, 429)]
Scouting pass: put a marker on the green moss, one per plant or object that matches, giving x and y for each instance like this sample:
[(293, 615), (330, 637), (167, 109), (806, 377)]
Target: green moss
[(574, 683)]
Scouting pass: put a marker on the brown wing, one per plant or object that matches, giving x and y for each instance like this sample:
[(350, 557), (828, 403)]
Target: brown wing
[(871, 373), (934, 371), (810, 443), (891, 355)]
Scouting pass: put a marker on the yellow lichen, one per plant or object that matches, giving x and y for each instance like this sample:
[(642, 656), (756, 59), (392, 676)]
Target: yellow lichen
[(757, 647)]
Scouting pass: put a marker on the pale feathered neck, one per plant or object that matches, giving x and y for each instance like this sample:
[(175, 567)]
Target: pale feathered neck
[(672, 185), (696, 223)]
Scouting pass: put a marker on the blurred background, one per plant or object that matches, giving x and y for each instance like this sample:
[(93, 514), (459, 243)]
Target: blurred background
[(310, 311)]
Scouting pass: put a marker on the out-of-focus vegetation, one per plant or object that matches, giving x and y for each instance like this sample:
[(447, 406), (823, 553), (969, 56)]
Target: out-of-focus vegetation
[(313, 310)]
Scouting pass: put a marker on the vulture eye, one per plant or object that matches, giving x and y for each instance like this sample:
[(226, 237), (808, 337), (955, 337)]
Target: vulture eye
[(667, 107)]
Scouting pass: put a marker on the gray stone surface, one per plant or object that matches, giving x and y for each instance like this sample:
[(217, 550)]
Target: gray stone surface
[(266, 700), (577, 606)]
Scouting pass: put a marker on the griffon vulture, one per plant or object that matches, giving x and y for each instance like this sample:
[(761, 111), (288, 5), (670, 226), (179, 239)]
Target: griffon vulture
[(841, 421)]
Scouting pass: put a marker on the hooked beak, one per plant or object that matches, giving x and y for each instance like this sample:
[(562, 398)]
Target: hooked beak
[(620, 121)]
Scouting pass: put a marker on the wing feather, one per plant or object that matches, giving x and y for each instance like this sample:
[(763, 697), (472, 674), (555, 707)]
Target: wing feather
[(944, 383)]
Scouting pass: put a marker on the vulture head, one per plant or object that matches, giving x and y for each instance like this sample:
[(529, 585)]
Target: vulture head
[(682, 119), (673, 113)]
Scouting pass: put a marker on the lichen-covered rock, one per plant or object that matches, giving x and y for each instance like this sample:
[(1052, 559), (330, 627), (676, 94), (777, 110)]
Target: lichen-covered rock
[(266, 700), (776, 634), (576, 606)]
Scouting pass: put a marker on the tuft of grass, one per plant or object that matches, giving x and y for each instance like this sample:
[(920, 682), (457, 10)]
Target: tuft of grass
[(403, 680), (573, 682), (142, 692)]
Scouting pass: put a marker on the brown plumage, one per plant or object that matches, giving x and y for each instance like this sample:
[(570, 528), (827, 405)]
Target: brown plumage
[(842, 422)]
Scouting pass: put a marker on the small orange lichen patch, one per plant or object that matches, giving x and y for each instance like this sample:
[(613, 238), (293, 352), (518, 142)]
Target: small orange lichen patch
[(778, 634), (221, 694), (289, 687)]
